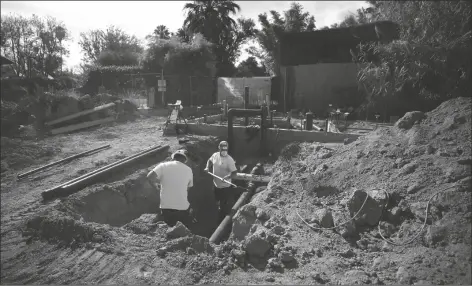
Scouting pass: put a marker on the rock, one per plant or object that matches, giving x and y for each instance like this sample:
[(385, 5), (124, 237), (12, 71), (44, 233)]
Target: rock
[(430, 150), (413, 188), (435, 234), (161, 252), (402, 276), (324, 217), (242, 222), (286, 256), (409, 168), (270, 279), (269, 224), (347, 254), (256, 245), (274, 263), (409, 119), (190, 251), (262, 215), (394, 215), (299, 275), (349, 230), (326, 155), (372, 209), (386, 247), (179, 230), (387, 229), (278, 230), (423, 282), (355, 277), (236, 253)]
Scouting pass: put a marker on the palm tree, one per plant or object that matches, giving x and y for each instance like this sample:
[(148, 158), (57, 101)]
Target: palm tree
[(162, 32), (210, 18)]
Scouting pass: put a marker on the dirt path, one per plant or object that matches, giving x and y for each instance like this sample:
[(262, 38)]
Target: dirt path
[(39, 262)]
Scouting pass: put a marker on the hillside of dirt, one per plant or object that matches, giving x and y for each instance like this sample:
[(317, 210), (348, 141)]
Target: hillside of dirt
[(300, 229), (315, 223)]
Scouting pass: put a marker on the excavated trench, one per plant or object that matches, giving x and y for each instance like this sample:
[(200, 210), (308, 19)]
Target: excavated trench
[(127, 196)]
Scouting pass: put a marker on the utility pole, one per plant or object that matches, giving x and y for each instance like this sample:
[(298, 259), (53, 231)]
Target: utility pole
[(163, 96)]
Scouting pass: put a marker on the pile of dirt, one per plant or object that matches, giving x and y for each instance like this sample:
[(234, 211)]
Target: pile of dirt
[(322, 207), (17, 154)]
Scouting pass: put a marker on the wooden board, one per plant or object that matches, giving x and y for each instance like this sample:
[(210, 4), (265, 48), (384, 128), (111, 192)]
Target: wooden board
[(82, 113), (82, 125)]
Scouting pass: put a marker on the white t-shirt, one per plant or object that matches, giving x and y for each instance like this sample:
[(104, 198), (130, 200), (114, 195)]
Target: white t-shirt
[(175, 178), (222, 166)]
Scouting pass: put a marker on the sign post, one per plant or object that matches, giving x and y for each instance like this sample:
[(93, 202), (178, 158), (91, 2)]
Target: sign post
[(161, 84)]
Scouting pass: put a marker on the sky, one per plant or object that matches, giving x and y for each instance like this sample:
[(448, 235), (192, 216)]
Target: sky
[(141, 17)]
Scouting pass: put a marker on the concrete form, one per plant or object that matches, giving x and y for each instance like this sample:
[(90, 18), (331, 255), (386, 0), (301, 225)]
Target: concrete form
[(276, 138)]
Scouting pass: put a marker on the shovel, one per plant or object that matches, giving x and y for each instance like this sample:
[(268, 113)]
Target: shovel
[(227, 182)]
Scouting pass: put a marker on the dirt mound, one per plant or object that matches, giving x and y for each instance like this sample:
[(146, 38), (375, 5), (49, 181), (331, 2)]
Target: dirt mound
[(389, 176), (17, 154)]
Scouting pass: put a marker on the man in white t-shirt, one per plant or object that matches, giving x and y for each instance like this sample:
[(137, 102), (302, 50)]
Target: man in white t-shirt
[(223, 165), (174, 179)]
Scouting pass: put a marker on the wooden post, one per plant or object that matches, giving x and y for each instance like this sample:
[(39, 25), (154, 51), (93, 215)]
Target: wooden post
[(246, 104)]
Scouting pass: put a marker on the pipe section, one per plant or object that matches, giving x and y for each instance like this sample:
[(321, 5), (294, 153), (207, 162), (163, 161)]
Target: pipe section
[(243, 199), (64, 160), (75, 185)]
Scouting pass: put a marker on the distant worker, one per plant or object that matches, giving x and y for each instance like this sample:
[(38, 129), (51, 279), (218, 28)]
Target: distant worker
[(173, 178), (223, 165)]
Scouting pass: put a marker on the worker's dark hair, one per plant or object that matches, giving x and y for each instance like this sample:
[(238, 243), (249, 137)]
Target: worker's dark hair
[(180, 158)]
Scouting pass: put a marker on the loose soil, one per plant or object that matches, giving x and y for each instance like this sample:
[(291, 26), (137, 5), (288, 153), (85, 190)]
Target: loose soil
[(118, 240)]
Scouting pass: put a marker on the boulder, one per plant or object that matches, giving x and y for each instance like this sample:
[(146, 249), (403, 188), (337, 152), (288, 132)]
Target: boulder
[(372, 209), (179, 230), (324, 218), (409, 119), (256, 244), (286, 257), (243, 221)]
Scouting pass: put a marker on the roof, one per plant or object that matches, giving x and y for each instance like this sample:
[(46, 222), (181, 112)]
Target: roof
[(332, 45), (5, 61)]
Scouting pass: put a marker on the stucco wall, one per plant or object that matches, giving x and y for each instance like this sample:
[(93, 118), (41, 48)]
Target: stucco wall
[(316, 86)]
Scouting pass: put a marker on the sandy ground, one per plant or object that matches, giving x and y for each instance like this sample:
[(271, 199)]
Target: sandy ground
[(411, 162)]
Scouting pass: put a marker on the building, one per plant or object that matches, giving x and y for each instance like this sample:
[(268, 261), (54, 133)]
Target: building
[(317, 67)]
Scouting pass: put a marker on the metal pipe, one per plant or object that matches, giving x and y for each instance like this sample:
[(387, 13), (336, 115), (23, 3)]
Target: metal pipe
[(64, 160), (47, 193), (237, 112), (243, 199), (86, 181)]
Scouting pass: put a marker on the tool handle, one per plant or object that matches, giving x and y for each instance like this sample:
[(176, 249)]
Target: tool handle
[(228, 182)]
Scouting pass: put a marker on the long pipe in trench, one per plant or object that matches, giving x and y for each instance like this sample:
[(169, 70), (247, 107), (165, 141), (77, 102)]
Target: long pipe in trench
[(233, 112), (63, 160), (243, 199), (102, 168), (80, 182)]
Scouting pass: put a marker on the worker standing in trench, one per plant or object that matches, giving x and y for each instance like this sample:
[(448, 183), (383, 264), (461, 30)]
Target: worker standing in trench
[(223, 166), (173, 178)]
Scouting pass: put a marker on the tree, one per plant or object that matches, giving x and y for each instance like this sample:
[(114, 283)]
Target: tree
[(250, 68), (34, 43), (110, 47), (162, 32), (294, 20), (431, 61), (213, 20)]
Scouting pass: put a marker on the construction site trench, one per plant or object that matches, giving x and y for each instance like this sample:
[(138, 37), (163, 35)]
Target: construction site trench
[(388, 207), (126, 200)]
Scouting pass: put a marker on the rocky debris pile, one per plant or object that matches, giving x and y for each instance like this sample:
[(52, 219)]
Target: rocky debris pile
[(388, 179)]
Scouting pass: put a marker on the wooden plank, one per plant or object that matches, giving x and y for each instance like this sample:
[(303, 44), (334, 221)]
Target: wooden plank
[(82, 125), (82, 113)]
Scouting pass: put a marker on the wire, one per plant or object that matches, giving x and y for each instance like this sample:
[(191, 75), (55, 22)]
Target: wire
[(422, 227)]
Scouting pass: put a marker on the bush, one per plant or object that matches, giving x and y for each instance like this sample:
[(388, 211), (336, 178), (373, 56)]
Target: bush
[(428, 65)]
